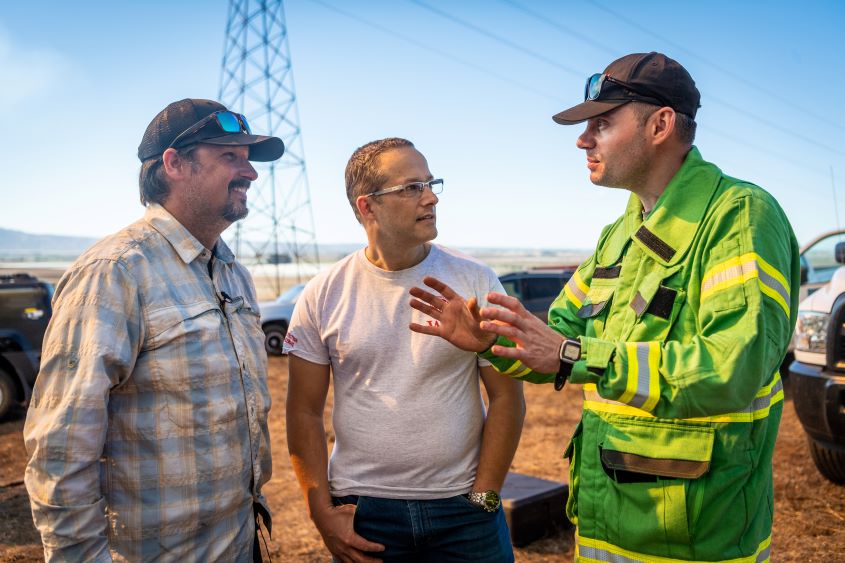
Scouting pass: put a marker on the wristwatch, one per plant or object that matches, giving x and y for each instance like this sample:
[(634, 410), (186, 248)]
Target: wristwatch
[(490, 501), (570, 352)]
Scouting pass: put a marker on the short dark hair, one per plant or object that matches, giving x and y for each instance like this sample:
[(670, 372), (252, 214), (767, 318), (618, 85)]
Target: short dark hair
[(151, 182), (685, 125), (362, 175)]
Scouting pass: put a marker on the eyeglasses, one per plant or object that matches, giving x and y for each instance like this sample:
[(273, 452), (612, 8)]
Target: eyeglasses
[(412, 189), (228, 121), (592, 90)]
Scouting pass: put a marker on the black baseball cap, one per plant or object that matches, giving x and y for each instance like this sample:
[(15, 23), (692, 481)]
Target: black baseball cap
[(652, 78), (179, 117)]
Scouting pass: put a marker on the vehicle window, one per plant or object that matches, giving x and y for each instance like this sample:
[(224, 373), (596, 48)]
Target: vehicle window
[(820, 259), (15, 302), (512, 289), (536, 288)]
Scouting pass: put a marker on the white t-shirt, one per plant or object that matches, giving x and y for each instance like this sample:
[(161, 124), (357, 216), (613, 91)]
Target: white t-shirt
[(408, 413)]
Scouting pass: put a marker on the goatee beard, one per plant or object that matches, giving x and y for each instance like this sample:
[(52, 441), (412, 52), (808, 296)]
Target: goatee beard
[(233, 213)]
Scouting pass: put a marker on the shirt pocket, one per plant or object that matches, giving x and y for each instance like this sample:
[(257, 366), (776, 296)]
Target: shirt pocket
[(189, 353)]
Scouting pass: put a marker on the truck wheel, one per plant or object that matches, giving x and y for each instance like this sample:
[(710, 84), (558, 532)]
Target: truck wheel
[(829, 462), (7, 393), (274, 337)]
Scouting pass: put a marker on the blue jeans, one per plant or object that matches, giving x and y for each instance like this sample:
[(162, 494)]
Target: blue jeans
[(447, 529)]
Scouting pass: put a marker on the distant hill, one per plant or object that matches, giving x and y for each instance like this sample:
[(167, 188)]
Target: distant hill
[(18, 245)]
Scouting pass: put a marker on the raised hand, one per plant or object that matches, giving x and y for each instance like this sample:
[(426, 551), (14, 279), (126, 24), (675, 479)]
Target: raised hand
[(537, 345), (457, 319)]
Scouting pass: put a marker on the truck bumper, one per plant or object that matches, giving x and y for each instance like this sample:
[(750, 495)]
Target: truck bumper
[(819, 399)]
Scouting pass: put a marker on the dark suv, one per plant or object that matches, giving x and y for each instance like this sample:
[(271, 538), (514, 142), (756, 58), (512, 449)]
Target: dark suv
[(538, 287), (24, 314)]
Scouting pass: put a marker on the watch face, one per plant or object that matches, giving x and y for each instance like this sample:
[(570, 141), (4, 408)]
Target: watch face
[(491, 500), (571, 351)]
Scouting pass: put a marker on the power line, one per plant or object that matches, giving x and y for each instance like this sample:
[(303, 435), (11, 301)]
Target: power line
[(560, 27), (737, 77), (544, 59), (499, 38), (522, 86), (450, 56)]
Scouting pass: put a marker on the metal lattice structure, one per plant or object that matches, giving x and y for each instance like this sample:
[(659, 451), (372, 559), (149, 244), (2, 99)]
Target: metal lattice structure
[(257, 81)]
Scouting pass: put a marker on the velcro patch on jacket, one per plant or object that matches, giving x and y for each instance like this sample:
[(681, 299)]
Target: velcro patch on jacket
[(671, 468), (655, 243), (607, 273), (591, 309), (660, 306)]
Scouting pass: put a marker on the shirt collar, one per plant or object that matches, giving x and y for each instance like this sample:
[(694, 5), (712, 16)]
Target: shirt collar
[(671, 226), (183, 242)]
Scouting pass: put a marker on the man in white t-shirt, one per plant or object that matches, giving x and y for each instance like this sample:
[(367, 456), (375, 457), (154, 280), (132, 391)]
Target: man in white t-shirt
[(418, 461)]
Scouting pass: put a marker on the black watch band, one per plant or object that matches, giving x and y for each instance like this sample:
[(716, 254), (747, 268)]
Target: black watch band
[(570, 352), (562, 375)]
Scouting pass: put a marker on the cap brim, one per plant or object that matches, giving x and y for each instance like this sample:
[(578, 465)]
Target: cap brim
[(587, 110), (261, 148)]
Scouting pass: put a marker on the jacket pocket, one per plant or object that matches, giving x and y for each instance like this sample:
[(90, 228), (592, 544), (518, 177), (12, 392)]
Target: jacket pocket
[(573, 454), (654, 469), (657, 306)]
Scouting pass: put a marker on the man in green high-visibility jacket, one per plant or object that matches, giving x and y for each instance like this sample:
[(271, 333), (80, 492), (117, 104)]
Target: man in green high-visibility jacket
[(675, 326)]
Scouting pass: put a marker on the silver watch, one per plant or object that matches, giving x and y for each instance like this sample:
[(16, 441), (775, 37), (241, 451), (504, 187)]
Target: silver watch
[(489, 501)]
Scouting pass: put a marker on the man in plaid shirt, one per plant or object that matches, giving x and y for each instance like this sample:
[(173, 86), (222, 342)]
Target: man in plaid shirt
[(147, 429)]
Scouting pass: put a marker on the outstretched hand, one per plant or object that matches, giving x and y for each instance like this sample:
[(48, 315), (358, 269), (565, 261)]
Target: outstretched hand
[(537, 345), (457, 319)]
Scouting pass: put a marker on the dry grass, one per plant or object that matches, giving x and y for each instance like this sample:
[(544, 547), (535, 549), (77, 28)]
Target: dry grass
[(809, 519)]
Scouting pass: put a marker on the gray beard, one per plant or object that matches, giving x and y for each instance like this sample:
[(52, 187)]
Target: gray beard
[(232, 213)]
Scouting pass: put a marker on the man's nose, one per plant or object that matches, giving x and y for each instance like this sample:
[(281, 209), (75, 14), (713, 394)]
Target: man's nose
[(584, 140), (248, 171), (428, 197)]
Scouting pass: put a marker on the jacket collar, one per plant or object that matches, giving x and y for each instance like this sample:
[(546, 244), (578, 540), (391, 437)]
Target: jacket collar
[(671, 226), (183, 242)]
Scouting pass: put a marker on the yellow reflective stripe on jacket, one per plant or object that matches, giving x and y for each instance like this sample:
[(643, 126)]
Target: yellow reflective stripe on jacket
[(643, 389), (576, 290), (743, 268), (516, 365), (767, 396), (587, 549)]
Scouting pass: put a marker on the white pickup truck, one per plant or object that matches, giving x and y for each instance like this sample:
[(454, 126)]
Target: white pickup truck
[(817, 376)]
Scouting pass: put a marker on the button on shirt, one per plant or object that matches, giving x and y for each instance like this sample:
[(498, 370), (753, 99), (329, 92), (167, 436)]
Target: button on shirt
[(147, 429)]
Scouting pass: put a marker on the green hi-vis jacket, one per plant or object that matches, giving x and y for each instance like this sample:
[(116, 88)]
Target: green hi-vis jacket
[(684, 319)]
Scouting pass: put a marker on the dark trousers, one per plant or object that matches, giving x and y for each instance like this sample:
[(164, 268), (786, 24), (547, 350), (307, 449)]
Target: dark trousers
[(439, 530)]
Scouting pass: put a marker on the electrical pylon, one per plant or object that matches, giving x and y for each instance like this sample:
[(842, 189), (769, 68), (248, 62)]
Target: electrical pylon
[(257, 81)]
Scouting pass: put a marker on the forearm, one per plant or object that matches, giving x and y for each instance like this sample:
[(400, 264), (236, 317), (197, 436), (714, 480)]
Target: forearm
[(309, 458), (500, 438), (68, 508)]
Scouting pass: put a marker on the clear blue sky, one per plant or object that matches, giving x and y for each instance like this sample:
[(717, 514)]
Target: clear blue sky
[(81, 80)]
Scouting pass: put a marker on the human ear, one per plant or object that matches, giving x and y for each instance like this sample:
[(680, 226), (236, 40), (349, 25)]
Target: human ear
[(173, 164), (364, 206), (661, 125)]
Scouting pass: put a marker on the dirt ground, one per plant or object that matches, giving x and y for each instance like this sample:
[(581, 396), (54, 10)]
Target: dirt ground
[(809, 519)]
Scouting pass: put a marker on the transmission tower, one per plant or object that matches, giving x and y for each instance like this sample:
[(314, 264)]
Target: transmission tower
[(257, 81)]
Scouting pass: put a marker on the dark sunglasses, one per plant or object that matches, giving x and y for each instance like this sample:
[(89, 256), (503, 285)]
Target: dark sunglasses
[(228, 121), (592, 90)]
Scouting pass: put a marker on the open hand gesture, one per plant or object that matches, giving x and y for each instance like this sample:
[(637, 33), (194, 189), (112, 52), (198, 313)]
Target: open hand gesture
[(457, 319)]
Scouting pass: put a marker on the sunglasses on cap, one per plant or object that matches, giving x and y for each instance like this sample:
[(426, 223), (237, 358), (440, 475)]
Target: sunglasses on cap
[(592, 90), (227, 121)]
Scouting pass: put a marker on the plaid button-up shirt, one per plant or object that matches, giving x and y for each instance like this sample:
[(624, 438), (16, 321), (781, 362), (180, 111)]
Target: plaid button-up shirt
[(147, 429)]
